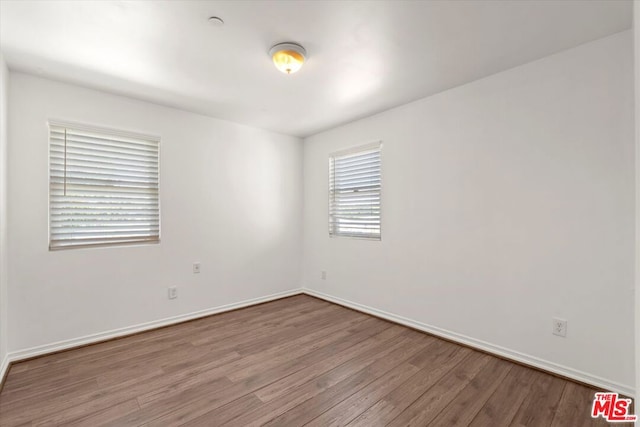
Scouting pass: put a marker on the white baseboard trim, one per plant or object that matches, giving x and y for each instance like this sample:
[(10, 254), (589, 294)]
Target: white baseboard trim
[(4, 366), (453, 336), (17, 356), (506, 353)]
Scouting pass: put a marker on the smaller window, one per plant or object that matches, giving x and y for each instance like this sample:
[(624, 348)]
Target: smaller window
[(103, 187), (355, 185)]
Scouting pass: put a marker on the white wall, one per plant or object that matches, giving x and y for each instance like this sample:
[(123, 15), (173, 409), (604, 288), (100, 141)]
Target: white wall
[(4, 79), (506, 202), (230, 198)]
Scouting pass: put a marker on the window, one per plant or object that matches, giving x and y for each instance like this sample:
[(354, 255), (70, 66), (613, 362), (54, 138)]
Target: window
[(103, 187), (354, 192)]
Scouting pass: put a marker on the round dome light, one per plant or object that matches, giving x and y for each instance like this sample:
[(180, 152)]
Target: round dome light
[(288, 57), (216, 20)]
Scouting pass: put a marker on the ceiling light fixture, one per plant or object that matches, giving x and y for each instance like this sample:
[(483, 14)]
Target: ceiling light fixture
[(216, 20), (288, 57)]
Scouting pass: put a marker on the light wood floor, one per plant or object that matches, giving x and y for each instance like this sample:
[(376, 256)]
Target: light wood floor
[(295, 361)]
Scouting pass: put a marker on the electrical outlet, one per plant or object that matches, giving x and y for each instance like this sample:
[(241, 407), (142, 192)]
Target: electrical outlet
[(196, 267), (559, 327), (323, 275), (173, 292)]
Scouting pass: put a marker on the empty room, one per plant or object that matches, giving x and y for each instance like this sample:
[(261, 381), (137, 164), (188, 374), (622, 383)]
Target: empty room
[(323, 213)]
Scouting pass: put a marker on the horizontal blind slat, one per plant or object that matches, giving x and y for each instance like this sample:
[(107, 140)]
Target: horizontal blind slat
[(131, 234), (122, 212), (59, 155), (88, 144), (60, 220), (356, 158), (87, 243), (106, 231), (80, 175), (147, 164), (111, 155), (100, 140), (356, 164), (96, 189), (105, 183), (59, 163)]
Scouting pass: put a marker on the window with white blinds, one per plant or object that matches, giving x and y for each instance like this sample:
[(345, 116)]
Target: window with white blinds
[(355, 185), (103, 187)]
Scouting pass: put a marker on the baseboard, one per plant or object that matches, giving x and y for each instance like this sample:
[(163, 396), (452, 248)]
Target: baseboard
[(505, 353), (4, 369), (29, 353)]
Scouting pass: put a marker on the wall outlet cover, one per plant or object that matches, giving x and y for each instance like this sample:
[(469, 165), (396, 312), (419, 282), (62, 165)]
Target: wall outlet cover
[(559, 327)]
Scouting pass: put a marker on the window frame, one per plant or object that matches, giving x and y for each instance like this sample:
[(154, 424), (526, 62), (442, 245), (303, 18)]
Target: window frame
[(354, 150), (106, 131)]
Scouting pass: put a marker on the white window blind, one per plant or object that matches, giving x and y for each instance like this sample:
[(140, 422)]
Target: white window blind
[(103, 187), (355, 185)]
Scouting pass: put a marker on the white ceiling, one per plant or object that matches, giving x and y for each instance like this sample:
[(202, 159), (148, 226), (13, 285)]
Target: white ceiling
[(364, 57)]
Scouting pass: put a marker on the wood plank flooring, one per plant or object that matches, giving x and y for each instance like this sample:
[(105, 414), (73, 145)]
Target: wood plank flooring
[(291, 362)]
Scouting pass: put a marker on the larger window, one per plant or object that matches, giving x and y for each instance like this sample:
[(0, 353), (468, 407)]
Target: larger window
[(355, 185), (103, 187)]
